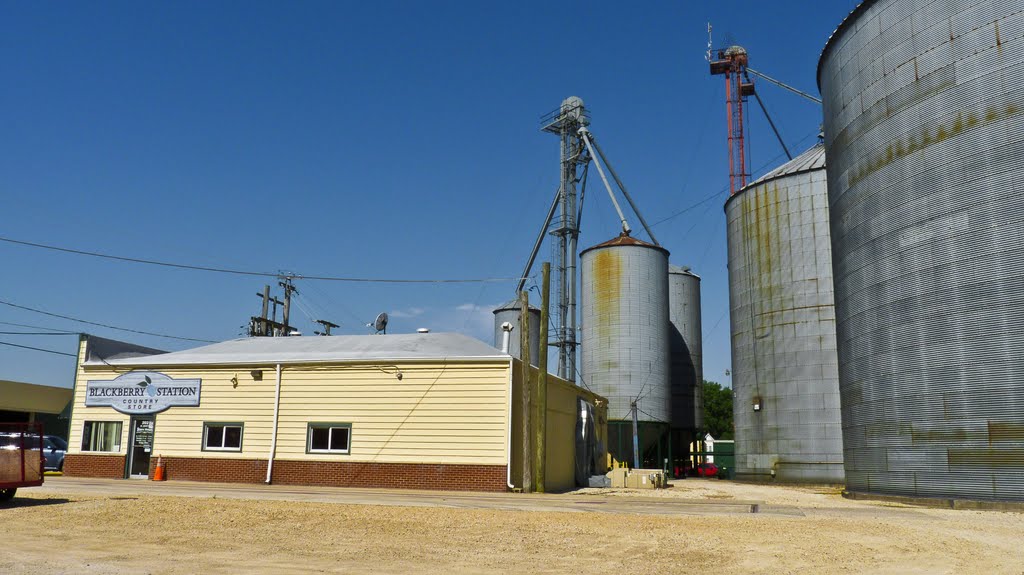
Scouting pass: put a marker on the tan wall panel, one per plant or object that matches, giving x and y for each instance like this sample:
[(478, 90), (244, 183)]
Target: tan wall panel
[(436, 413)]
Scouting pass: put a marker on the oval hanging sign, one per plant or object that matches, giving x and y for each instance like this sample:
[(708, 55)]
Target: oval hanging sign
[(140, 392)]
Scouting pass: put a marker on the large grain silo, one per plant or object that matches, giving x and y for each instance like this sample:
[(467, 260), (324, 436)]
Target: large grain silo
[(924, 127), (510, 312), (625, 342), (686, 356), (784, 375)]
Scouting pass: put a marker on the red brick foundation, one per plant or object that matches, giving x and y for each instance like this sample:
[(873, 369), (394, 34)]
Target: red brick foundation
[(104, 466), (338, 473)]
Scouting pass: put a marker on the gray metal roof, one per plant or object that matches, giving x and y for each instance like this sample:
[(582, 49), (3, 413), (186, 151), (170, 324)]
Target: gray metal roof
[(322, 349), (812, 159)]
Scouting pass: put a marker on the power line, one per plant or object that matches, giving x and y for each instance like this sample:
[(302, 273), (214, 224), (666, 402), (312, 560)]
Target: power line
[(39, 333), (252, 273), (38, 349), (9, 304), (32, 326), (723, 190)]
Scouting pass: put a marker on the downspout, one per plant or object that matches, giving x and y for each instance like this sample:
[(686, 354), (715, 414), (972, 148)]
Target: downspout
[(507, 329), (273, 430), (508, 427)]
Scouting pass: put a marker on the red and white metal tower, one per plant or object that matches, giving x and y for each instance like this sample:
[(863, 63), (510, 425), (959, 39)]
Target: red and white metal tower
[(732, 63)]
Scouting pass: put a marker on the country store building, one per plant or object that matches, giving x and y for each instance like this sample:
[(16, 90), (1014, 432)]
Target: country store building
[(421, 411)]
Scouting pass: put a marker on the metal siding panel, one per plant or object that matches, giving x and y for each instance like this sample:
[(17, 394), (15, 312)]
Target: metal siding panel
[(927, 251), (783, 345)]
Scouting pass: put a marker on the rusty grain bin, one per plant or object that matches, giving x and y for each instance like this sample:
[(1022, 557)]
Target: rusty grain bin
[(924, 130), (625, 339), (784, 367)]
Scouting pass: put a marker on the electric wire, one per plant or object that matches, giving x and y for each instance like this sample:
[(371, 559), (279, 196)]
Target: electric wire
[(32, 326), (253, 273), (726, 188), (38, 349), (40, 333), (74, 319)]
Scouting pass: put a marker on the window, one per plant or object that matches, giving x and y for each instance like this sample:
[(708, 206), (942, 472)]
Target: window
[(222, 437), (101, 436), (328, 437)]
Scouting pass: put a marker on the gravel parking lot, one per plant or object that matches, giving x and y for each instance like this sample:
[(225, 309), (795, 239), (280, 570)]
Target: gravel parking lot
[(124, 527)]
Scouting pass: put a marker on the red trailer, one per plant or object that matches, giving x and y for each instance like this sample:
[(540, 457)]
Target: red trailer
[(21, 457)]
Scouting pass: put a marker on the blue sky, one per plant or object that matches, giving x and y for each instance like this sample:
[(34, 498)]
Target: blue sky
[(369, 139)]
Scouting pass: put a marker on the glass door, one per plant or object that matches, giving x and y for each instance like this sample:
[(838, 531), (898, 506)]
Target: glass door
[(141, 443)]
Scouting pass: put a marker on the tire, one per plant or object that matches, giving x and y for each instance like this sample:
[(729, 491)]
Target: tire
[(7, 494), (60, 466)]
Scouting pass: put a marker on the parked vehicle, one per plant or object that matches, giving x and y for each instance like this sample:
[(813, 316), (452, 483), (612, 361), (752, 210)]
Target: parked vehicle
[(54, 448), (21, 457), (707, 470)]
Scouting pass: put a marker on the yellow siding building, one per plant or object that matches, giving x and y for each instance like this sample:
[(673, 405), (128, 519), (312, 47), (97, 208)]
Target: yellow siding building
[(425, 411)]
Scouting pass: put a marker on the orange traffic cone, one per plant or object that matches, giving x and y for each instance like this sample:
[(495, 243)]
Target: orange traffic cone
[(158, 473)]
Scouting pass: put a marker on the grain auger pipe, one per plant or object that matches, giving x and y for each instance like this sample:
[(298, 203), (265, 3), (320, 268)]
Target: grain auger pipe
[(622, 187), (585, 136)]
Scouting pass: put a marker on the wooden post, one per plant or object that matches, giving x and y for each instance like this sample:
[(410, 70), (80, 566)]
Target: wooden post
[(524, 354), (541, 395)]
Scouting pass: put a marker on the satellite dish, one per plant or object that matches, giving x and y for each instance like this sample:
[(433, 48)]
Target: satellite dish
[(381, 323)]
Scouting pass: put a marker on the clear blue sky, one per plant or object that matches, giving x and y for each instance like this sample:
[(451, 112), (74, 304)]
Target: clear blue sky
[(372, 139)]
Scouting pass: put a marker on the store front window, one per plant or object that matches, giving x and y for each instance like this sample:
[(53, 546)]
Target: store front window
[(101, 436)]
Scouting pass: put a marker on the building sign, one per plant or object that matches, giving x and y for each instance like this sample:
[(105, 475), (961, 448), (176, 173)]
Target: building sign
[(140, 392)]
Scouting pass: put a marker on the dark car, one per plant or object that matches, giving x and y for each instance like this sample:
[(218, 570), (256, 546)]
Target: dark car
[(707, 470), (53, 450)]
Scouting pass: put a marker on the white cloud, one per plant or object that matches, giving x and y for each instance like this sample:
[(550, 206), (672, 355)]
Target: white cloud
[(407, 313)]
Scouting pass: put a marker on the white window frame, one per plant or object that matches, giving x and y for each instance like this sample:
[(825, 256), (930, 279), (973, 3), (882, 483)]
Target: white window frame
[(313, 426), (116, 448), (223, 435)]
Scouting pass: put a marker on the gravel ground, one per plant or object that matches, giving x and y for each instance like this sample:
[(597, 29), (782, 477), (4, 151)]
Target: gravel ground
[(87, 534)]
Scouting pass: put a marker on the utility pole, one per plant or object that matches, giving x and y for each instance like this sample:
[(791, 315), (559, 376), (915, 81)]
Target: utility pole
[(636, 436), (263, 314), (541, 395), (524, 343), (288, 290), (263, 326), (327, 326)]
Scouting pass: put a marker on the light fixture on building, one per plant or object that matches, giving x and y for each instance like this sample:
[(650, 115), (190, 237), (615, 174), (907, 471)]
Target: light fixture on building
[(757, 404)]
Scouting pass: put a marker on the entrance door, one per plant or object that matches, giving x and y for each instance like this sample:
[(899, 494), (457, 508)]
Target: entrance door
[(141, 443)]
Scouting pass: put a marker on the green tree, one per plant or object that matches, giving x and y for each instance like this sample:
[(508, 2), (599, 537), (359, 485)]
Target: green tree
[(718, 410)]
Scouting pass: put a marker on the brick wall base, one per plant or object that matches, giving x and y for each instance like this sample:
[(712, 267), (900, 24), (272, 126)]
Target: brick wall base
[(339, 473), (104, 466), (324, 473)]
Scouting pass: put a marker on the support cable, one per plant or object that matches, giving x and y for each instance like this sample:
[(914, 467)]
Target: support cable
[(772, 124)]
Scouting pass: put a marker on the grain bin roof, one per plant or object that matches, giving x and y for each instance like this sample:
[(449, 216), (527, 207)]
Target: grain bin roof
[(323, 349), (812, 159), (625, 240)]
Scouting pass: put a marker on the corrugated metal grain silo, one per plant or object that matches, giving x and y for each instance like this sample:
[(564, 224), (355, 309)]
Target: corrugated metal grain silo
[(925, 137), (784, 367), (686, 351), (624, 340), (510, 312)]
